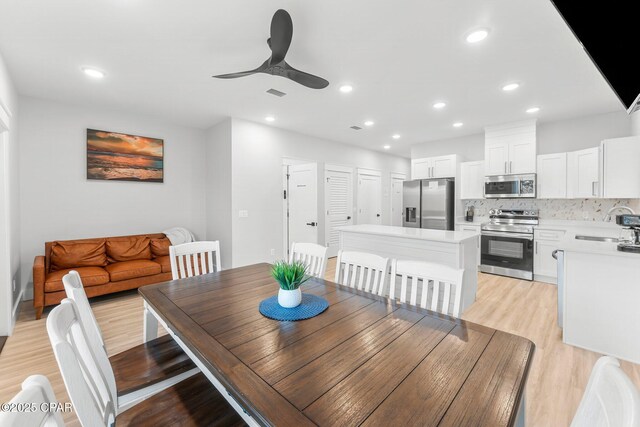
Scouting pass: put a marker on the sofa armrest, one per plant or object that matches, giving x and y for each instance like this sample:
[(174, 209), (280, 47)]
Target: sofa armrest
[(39, 274)]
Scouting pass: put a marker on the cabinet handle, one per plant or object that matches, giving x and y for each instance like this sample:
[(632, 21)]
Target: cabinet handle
[(536, 248), (593, 188), (505, 167)]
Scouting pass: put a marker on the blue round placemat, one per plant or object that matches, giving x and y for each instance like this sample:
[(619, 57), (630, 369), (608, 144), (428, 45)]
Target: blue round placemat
[(310, 306)]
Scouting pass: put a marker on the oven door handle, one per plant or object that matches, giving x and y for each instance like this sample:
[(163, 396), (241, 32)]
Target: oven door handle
[(512, 235)]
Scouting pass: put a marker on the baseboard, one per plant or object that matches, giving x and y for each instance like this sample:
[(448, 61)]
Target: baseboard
[(545, 279), (2, 341)]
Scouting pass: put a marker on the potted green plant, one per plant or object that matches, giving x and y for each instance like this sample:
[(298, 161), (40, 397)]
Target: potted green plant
[(289, 276)]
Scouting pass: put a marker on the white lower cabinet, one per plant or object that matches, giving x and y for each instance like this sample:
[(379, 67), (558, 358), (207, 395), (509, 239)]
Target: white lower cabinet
[(475, 229), (545, 268)]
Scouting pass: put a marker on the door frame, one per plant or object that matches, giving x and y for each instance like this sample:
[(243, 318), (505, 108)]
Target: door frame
[(366, 172), (7, 321), (337, 168), (392, 176)]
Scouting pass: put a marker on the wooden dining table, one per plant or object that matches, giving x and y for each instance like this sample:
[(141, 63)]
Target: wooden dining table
[(366, 360)]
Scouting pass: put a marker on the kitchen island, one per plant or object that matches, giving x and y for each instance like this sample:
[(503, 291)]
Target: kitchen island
[(456, 249), (600, 297)]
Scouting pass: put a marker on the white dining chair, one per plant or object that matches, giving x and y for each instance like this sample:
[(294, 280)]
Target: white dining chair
[(363, 271), (312, 255), (90, 383), (440, 286), (154, 374), (610, 399), (194, 259), (37, 394)]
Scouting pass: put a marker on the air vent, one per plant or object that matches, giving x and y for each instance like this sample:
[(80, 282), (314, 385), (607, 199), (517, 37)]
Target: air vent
[(276, 92), (356, 127)]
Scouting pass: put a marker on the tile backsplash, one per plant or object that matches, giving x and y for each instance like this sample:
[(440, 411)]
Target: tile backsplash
[(563, 209)]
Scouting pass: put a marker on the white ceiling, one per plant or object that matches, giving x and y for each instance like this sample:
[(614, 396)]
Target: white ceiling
[(399, 56)]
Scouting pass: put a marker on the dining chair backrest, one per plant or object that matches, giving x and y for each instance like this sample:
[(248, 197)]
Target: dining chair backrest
[(36, 394), (610, 399), (312, 255), (85, 369), (194, 259), (364, 271), (440, 286), (75, 290)]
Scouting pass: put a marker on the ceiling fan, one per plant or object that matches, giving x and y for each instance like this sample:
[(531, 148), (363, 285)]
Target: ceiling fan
[(281, 34)]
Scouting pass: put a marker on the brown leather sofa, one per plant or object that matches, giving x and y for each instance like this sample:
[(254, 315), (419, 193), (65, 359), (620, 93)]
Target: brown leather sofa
[(106, 265)]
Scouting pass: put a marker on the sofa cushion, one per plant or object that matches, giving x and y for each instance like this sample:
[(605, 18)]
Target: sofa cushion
[(131, 269), (160, 247), (128, 248), (72, 254), (165, 263), (91, 276)]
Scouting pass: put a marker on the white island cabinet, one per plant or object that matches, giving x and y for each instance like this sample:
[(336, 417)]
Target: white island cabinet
[(601, 294), (456, 249)]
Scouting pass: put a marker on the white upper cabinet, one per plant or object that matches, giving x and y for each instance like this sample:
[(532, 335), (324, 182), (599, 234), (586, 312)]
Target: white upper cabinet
[(583, 173), (434, 167), (472, 180), (510, 149), (552, 176), (620, 168), (420, 168)]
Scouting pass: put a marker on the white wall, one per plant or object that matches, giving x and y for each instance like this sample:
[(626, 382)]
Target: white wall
[(257, 155), (9, 203), (553, 137), (218, 189), (58, 202)]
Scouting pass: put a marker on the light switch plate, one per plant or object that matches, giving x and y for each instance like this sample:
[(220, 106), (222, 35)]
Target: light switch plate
[(243, 214)]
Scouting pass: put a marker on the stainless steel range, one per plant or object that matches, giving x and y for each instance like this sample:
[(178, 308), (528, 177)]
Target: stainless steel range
[(507, 243)]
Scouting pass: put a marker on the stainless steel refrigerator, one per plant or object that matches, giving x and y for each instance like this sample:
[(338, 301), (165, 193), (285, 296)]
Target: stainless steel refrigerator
[(429, 203)]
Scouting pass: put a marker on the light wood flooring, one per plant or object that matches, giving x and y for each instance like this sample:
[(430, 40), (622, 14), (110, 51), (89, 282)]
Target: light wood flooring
[(556, 382)]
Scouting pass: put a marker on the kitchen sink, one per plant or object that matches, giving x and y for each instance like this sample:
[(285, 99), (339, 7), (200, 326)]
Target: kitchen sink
[(598, 238)]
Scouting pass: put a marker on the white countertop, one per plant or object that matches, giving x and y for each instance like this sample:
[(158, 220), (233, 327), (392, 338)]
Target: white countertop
[(600, 248), (411, 233)]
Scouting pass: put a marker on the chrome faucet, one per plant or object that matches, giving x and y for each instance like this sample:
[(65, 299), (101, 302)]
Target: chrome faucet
[(607, 217)]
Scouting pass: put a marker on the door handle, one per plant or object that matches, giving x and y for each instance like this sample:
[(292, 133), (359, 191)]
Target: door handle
[(313, 224), (348, 217), (378, 215)]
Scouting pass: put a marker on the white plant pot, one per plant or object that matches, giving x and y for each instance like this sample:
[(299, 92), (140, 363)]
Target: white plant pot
[(289, 299)]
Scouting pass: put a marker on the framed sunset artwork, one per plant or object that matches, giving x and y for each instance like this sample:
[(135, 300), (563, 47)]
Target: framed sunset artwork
[(116, 156)]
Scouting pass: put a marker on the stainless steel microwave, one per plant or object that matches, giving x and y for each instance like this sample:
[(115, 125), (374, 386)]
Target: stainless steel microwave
[(510, 186)]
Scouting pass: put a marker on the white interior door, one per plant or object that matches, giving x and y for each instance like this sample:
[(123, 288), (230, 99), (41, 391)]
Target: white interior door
[(396, 199), (303, 203), (338, 191), (369, 197)]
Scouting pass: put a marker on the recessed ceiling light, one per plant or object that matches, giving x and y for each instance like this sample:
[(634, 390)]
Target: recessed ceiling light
[(457, 124), (439, 105), (477, 35), (386, 147), (270, 119), (395, 136), (369, 123), (510, 87), (92, 72), (346, 88), (533, 110)]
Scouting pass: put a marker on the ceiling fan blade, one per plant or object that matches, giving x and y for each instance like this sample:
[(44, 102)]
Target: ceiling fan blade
[(281, 34), (305, 79), (260, 69)]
